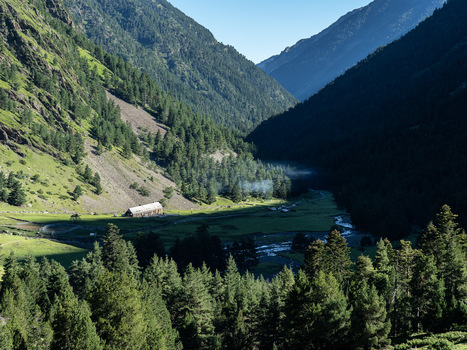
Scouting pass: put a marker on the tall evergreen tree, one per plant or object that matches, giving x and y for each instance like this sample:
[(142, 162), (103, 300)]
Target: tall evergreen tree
[(117, 311), (427, 293), (317, 313), (370, 324), (72, 325)]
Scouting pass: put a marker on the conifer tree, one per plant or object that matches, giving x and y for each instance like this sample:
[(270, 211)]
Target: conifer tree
[(17, 196), (72, 325), (370, 325), (77, 192), (339, 255), (427, 293), (317, 313), (117, 311), (315, 258), (159, 334), (117, 254), (162, 273), (197, 329)]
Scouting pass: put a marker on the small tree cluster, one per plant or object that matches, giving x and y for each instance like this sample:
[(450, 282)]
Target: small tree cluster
[(93, 179), (11, 190)]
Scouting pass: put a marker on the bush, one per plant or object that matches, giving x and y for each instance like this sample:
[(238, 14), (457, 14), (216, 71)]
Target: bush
[(441, 344), (144, 191)]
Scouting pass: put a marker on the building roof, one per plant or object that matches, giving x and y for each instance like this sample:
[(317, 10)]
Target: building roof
[(145, 208)]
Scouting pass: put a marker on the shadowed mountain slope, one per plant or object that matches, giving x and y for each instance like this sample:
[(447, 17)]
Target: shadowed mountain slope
[(390, 134), (312, 63)]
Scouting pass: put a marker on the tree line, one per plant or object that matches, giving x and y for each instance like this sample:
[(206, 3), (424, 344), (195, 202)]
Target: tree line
[(392, 149), (107, 301), (183, 57), (68, 102)]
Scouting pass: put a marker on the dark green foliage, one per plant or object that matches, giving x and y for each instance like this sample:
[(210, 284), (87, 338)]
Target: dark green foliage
[(117, 311), (144, 191), (300, 242), (17, 195), (117, 254), (317, 313), (332, 256), (183, 57), (245, 253), (146, 246), (168, 192), (11, 189), (370, 325), (198, 249), (110, 305), (393, 147), (77, 192), (72, 325)]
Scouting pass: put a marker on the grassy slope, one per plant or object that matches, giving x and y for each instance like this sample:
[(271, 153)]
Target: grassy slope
[(40, 247)]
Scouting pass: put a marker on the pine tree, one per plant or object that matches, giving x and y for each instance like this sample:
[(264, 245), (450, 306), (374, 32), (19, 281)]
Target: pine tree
[(159, 334), (117, 311), (162, 274), (316, 258), (117, 254), (77, 192), (127, 151), (317, 313), (402, 312), (370, 325), (197, 330), (17, 196), (72, 325), (87, 175), (338, 255), (446, 242), (427, 294)]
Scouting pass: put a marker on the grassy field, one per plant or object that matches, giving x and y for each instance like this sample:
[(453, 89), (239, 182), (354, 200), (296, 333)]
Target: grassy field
[(315, 211), (230, 222), (46, 193), (40, 247)]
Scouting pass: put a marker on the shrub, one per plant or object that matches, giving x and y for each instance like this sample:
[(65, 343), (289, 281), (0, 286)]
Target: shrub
[(144, 191), (441, 344)]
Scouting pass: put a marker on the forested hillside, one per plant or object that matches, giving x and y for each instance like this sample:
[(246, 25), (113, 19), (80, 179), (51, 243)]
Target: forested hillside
[(389, 135), (184, 58), (53, 102), (312, 63), (108, 301)]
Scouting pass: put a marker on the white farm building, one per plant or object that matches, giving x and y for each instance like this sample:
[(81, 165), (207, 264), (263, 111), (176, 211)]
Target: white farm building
[(151, 209)]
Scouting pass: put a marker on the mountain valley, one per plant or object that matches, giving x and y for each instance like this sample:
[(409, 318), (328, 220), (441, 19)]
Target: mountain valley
[(255, 247)]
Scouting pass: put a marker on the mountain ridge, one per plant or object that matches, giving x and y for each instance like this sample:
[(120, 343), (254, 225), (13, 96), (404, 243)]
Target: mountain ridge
[(314, 62), (386, 132), (185, 58)]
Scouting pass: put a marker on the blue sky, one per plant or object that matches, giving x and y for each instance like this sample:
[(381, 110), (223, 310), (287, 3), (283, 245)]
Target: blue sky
[(261, 28)]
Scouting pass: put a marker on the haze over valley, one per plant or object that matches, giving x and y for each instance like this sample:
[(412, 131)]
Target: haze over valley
[(158, 190)]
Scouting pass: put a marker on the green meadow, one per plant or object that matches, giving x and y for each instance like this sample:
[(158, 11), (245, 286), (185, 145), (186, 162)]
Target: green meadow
[(313, 211)]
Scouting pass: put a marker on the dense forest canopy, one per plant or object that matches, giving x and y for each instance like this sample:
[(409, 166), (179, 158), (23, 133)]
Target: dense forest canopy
[(107, 301), (389, 135)]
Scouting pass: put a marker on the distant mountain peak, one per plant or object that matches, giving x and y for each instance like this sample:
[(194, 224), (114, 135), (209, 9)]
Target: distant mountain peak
[(311, 63)]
